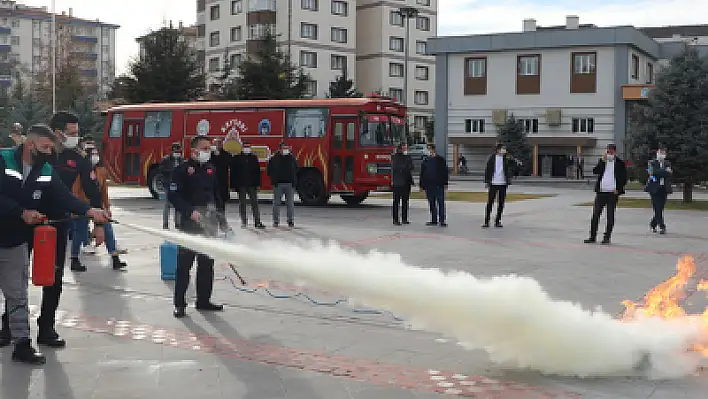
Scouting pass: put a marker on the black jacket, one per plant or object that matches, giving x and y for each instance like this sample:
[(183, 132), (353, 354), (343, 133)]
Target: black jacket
[(401, 170), (222, 162), (620, 174), (167, 165), (42, 191), (510, 169), (653, 186), (438, 179), (245, 171), (72, 165), (194, 187), (282, 169)]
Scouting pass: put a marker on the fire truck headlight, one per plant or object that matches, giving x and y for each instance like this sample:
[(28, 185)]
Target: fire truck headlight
[(372, 168)]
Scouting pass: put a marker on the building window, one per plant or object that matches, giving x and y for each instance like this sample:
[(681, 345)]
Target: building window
[(474, 125), (421, 73), (15, 40), (201, 30), (529, 125), (15, 23), (650, 73), (476, 67), (214, 13), (214, 64), (475, 76), (584, 64), (311, 88), (259, 31), (421, 48), (309, 5), (421, 97), (583, 125), (308, 59), (528, 65), (635, 66), (308, 31), (338, 62), (395, 18), (395, 70), (395, 93), (422, 23), (236, 34), (261, 5), (395, 44), (234, 61), (214, 39), (419, 122), (340, 8), (236, 7), (338, 35)]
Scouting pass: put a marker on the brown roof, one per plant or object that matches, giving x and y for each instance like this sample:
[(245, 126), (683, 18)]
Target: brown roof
[(39, 13), (689, 31)]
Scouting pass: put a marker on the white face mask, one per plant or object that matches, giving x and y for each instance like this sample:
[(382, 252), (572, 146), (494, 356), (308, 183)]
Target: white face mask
[(204, 156), (213, 148), (286, 152), (405, 152), (247, 150), (610, 157), (502, 151), (94, 159), (71, 141), (177, 155), (660, 156)]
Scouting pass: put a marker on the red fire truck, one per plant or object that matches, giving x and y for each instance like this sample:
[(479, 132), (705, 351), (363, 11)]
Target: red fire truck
[(343, 146)]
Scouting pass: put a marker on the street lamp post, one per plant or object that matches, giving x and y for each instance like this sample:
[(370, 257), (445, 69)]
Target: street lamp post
[(407, 13), (54, 58)]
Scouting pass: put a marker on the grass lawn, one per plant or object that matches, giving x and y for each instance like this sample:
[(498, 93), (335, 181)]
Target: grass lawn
[(674, 205), (635, 185), (470, 196)]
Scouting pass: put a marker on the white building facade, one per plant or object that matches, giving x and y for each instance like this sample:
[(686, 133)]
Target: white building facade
[(570, 87), (25, 38)]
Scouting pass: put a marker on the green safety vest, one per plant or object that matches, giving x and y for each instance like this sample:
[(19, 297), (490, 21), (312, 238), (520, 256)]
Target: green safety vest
[(14, 170)]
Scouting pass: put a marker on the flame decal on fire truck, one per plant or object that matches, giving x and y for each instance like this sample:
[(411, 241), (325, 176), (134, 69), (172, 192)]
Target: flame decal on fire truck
[(233, 129)]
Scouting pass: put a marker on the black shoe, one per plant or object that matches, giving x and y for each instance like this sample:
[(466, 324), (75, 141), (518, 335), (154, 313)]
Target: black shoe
[(117, 263), (663, 230), (431, 224), (653, 229), (590, 240), (179, 312), (244, 225), (443, 224), (406, 222), (485, 225), (396, 223), (25, 353), (260, 226), (605, 240), (211, 307), (76, 265), (275, 225), (165, 227), (498, 225), (5, 338), (291, 224), (50, 339)]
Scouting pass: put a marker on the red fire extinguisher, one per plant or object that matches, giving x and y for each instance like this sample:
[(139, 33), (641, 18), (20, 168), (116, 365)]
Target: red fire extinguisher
[(45, 254)]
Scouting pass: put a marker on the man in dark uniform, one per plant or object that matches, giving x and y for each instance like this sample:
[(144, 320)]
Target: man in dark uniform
[(194, 192), (168, 164), (246, 178), (401, 180), (221, 160), (30, 190)]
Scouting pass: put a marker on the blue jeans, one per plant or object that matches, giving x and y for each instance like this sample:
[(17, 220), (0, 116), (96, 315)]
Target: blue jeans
[(110, 239), (436, 202), (278, 191), (79, 235)]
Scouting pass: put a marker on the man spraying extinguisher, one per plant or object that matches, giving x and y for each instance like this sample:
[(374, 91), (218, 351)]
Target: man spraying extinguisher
[(30, 189)]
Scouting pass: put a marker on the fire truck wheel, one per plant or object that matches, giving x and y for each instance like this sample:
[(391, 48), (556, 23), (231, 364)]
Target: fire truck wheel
[(311, 188), (155, 184), (355, 199)]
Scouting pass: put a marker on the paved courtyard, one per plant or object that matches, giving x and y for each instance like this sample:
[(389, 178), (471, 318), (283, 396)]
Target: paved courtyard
[(124, 343)]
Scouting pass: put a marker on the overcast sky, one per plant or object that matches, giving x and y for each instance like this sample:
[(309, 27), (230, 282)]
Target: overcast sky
[(137, 17)]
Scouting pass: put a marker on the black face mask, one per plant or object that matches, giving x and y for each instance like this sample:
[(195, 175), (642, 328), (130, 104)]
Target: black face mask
[(40, 158)]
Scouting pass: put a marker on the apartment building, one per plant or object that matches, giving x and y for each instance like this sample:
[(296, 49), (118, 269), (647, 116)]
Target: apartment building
[(25, 38), (570, 86), (327, 38)]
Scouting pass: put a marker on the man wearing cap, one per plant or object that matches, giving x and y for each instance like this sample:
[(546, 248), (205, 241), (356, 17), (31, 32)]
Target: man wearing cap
[(168, 164), (611, 178), (16, 134)]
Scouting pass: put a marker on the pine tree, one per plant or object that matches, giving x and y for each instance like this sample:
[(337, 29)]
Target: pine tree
[(343, 87), (168, 70), (513, 136), (269, 74), (24, 106), (90, 120), (676, 116)]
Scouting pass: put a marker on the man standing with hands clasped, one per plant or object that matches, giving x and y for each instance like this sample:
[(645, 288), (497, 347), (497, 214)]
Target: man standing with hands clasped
[(611, 178), (434, 178), (402, 180), (659, 188)]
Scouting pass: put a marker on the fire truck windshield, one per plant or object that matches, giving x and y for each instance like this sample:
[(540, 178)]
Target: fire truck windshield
[(381, 130)]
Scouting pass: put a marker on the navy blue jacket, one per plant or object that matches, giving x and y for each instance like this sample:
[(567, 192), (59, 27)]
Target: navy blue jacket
[(194, 187), (434, 173), (70, 165), (42, 191)]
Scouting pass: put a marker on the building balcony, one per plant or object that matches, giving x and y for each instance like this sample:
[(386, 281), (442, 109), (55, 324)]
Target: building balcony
[(636, 91), (85, 55), (85, 39), (88, 72), (4, 30), (5, 48), (5, 80)]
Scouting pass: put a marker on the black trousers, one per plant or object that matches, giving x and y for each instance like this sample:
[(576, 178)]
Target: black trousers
[(50, 294), (401, 199), (252, 193), (205, 276), (223, 182), (499, 192), (603, 200), (658, 202)]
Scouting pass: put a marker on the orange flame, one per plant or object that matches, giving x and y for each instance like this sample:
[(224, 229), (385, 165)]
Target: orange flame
[(664, 300)]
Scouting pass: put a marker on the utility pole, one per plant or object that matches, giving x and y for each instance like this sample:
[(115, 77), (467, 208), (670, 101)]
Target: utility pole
[(54, 57), (407, 13)]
